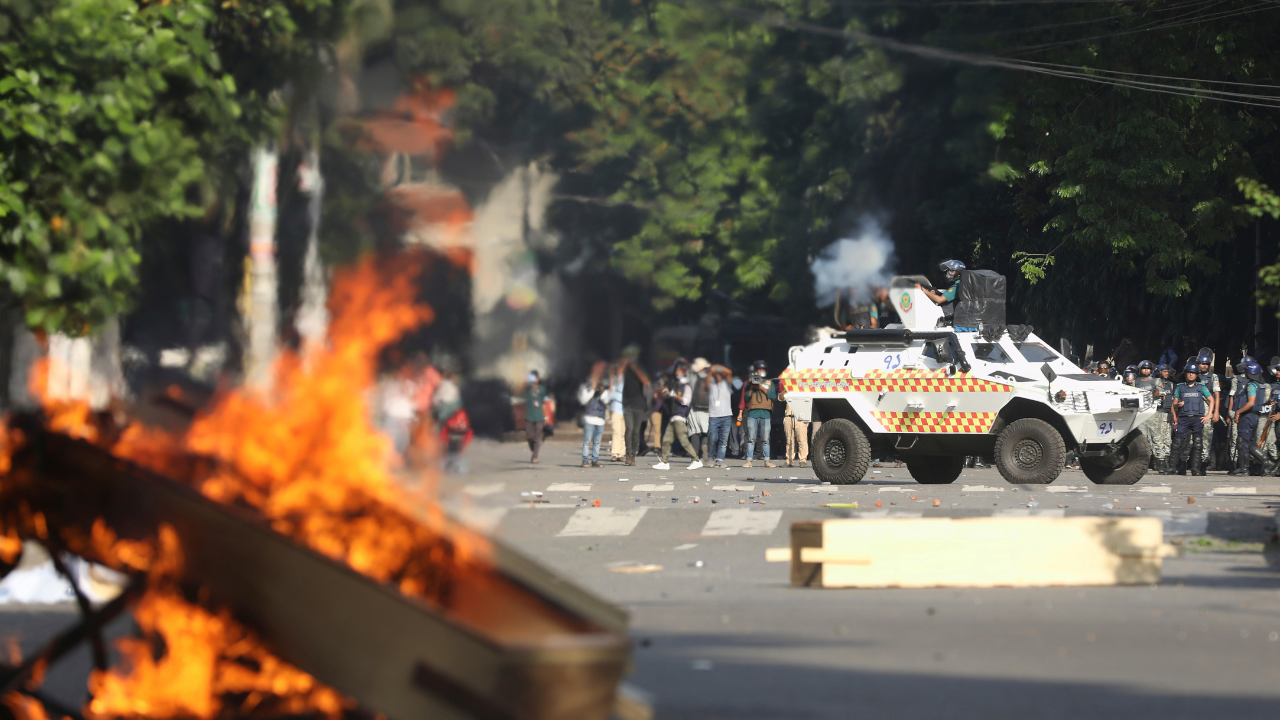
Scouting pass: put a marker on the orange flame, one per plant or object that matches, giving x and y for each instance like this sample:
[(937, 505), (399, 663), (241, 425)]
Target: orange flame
[(308, 457)]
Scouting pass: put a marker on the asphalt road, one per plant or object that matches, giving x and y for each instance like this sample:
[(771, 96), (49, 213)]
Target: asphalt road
[(720, 634)]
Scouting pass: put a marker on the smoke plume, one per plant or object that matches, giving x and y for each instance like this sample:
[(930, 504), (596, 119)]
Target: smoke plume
[(852, 266)]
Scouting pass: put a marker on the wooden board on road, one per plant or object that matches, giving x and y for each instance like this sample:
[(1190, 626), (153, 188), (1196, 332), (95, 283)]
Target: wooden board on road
[(975, 552)]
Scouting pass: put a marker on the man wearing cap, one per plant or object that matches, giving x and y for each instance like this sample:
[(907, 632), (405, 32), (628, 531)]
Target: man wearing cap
[(699, 411)]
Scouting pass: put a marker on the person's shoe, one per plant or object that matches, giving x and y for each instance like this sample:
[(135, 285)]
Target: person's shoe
[(1238, 472), (720, 463), (533, 460), (695, 464), (630, 460), (788, 463), (769, 464), (802, 464), (586, 464), (746, 464), (596, 464), (662, 466)]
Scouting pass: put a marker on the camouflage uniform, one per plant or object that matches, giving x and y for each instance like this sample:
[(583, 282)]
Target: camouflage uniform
[(1214, 384), (1152, 429), (1162, 435)]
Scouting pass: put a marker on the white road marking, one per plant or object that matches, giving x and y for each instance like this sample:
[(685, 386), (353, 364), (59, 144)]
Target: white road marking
[(808, 489), (686, 546), (742, 522), (570, 487), (894, 488), (732, 488), (602, 521), (1029, 512), (981, 488), (1235, 491), (1064, 489), (484, 519), (1156, 490), (482, 490), (665, 487)]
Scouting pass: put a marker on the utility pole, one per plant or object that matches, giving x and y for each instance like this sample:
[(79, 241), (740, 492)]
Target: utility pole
[(260, 320)]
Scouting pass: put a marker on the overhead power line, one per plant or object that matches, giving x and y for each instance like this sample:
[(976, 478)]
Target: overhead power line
[(1101, 77)]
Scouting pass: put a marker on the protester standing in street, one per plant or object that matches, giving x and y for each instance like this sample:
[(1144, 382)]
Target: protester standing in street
[(535, 419), (757, 403), (719, 411), (617, 419), (635, 400), (699, 418), (677, 394), (592, 396), (797, 432), (1193, 405)]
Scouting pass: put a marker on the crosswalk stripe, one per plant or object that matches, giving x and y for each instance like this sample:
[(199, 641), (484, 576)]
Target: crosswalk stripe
[(602, 521), (664, 487), (570, 487), (735, 488), (742, 522)]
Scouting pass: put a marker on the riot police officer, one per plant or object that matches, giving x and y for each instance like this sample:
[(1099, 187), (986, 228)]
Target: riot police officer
[(1273, 403), (947, 298), (1193, 408), (1144, 380), (1247, 405), (1164, 436), (1130, 375), (1212, 383)]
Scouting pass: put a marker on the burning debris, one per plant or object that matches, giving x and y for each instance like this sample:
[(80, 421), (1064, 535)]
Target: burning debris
[(282, 565)]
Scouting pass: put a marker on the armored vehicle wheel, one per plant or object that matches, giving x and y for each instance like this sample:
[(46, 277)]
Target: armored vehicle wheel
[(935, 469), (841, 453), (1030, 452), (1124, 467)]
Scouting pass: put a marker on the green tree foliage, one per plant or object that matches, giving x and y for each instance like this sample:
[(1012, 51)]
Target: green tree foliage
[(115, 114)]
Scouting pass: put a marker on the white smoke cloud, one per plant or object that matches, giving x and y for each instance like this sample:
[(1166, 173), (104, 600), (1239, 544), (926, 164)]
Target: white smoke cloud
[(852, 266)]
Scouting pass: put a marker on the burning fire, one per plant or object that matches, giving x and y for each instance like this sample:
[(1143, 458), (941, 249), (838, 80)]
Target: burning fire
[(304, 454)]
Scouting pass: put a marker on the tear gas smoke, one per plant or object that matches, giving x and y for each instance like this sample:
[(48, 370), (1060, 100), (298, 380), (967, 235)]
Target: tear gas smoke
[(852, 266)]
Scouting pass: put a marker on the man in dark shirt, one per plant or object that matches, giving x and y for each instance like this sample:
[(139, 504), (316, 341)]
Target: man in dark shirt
[(635, 400)]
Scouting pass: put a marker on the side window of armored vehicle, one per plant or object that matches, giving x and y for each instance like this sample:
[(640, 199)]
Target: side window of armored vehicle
[(991, 352), (1035, 352)]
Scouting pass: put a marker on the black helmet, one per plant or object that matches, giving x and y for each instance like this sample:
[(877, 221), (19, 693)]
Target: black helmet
[(951, 268), (1192, 368), (759, 365), (1146, 365)]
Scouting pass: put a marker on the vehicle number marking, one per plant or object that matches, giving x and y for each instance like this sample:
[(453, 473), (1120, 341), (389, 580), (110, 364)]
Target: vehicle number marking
[(1106, 428), (892, 362)]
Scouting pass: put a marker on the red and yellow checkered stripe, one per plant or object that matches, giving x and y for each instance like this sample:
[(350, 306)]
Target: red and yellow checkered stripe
[(915, 381), (935, 422)]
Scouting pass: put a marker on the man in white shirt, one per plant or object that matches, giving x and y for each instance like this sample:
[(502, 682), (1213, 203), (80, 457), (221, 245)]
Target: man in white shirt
[(720, 412)]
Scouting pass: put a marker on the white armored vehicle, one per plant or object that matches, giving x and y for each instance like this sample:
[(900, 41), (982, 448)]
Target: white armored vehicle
[(931, 394)]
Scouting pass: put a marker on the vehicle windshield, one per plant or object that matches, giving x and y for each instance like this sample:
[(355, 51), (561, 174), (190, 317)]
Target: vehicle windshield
[(1035, 352), (991, 352)]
